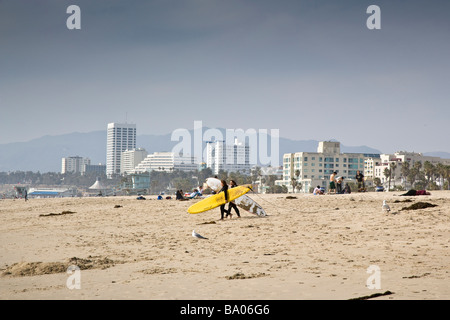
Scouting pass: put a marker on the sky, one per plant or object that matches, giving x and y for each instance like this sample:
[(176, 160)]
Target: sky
[(311, 69)]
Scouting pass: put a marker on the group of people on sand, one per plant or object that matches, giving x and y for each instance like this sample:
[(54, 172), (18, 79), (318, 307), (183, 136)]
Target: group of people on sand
[(337, 185), (196, 193)]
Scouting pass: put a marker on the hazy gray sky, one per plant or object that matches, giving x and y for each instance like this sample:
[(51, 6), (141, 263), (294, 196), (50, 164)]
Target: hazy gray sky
[(309, 68)]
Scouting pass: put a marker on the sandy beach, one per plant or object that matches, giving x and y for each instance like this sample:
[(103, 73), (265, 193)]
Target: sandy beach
[(310, 247)]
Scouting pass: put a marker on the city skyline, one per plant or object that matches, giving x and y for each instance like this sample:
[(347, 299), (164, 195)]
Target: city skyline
[(311, 70)]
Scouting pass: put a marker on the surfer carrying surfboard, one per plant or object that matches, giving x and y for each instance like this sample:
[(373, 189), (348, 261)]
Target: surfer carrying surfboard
[(231, 204), (225, 191)]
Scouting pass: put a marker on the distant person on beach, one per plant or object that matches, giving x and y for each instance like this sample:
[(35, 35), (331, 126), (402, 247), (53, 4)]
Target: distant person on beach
[(317, 191), (25, 195), (339, 185), (224, 190), (332, 187), (413, 192), (195, 194), (231, 204), (360, 179), (179, 195), (347, 189)]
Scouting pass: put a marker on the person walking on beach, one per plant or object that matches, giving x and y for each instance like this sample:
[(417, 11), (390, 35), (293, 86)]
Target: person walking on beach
[(225, 191), (231, 204), (332, 187), (360, 179)]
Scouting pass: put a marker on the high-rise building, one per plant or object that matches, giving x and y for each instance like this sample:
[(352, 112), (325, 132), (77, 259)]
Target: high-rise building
[(131, 158), (120, 137), (74, 164), (230, 158)]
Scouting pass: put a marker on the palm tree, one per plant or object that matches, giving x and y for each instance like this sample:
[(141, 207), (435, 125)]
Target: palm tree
[(404, 170), (393, 166), (294, 184), (298, 184), (440, 170), (387, 174), (412, 176), (429, 170), (446, 171)]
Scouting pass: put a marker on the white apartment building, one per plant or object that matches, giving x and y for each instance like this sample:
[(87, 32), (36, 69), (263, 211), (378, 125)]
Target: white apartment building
[(314, 168), (369, 167), (131, 158), (166, 161), (231, 158), (120, 137), (386, 161), (74, 164)]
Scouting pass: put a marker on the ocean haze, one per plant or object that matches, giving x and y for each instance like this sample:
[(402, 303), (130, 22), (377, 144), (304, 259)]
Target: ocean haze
[(311, 69), (45, 154)]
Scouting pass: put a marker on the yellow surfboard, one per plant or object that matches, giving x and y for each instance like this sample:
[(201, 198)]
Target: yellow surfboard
[(219, 199)]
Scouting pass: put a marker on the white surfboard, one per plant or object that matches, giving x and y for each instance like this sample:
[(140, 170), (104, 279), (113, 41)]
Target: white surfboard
[(244, 202)]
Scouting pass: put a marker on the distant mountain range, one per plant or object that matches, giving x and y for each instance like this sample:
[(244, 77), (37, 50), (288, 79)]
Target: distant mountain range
[(44, 154)]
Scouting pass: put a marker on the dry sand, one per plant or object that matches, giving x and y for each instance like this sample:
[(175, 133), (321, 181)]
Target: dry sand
[(311, 247)]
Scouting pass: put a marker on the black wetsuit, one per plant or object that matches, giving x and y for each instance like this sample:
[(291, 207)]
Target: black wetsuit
[(222, 207), (231, 204)]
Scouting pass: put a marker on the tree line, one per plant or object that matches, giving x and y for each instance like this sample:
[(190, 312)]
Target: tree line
[(160, 181), (420, 176)]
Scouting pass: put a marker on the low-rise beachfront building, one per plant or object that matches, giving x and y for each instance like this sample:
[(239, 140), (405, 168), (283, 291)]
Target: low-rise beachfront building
[(311, 169), (394, 162), (166, 161), (131, 158), (94, 168)]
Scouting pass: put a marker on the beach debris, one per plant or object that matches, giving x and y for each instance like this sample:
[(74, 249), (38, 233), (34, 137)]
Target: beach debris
[(240, 275), (386, 293), (56, 214), (415, 277), (406, 200), (420, 205), (385, 206), (196, 235), (208, 222), (23, 269), (291, 197), (117, 206)]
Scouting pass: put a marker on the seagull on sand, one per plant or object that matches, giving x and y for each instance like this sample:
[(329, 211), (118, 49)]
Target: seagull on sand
[(385, 206), (196, 235)]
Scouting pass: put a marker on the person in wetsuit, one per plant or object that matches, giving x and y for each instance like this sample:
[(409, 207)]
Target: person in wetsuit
[(222, 207)]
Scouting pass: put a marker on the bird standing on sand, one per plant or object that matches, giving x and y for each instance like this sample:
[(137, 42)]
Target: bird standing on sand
[(196, 235), (385, 206)]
